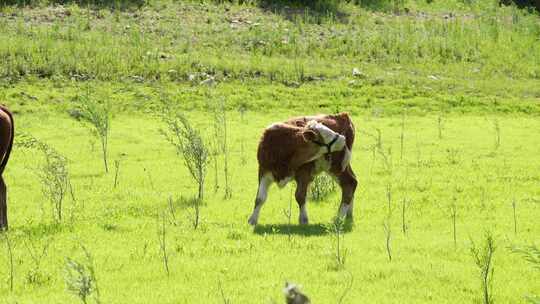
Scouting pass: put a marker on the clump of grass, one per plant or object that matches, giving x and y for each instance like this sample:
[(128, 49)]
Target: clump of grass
[(37, 253), (321, 187), (378, 148), (190, 145), (340, 255), (55, 180), (483, 258), (532, 255), (54, 173), (98, 116), (80, 277)]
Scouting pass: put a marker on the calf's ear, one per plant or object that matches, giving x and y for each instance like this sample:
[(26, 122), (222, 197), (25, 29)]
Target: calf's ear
[(309, 135)]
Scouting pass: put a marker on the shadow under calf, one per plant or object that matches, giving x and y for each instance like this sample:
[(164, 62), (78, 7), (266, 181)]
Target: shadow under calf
[(303, 230)]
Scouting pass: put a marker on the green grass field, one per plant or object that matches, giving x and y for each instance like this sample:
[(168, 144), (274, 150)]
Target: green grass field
[(455, 99)]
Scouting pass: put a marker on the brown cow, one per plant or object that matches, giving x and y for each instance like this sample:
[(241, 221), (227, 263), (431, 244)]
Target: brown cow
[(301, 148), (6, 142)]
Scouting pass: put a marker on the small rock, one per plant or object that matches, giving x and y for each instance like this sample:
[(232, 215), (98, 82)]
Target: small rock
[(357, 73), (75, 113), (293, 294), (209, 82)]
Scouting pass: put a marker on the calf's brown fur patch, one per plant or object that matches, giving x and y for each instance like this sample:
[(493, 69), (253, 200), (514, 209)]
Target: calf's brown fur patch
[(6, 143)]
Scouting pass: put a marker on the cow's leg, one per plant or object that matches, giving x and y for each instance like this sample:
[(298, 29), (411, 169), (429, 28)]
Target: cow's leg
[(303, 177), (3, 205), (347, 182), (262, 193)]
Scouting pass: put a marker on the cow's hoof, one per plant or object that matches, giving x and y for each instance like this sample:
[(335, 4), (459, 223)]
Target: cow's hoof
[(252, 221), (303, 220)]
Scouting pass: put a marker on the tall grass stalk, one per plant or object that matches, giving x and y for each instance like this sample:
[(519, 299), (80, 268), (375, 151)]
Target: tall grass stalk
[(9, 248), (116, 172), (189, 144), (515, 216), (172, 211), (288, 215), (162, 231), (453, 214), (440, 125), (53, 174), (483, 258), (402, 136), (388, 238), (532, 255), (37, 254), (80, 277), (340, 256), (221, 128), (242, 110), (389, 197), (98, 116), (497, 129), (403, 220)]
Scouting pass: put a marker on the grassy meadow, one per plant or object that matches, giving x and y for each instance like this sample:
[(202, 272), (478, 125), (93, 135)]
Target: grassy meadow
[(445, 96)]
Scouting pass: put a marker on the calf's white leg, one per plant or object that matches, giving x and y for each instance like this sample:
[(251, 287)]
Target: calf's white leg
[(262, 194)]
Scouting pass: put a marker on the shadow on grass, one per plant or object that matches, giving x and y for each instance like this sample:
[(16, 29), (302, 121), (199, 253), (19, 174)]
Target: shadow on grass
[(309, 11), (95, 4), (42, 229), (303, 230)]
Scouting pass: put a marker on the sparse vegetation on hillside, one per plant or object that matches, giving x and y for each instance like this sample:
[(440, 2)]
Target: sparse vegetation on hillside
[(445, 98)]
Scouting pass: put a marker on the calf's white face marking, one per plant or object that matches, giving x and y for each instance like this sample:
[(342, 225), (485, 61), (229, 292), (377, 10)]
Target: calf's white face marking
[(327, 136)]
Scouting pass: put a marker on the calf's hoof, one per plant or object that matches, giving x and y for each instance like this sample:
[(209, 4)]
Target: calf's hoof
[(252, 221), (303, 220)]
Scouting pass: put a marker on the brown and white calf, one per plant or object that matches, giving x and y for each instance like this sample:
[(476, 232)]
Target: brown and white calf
[(301, 148), (6, 142)]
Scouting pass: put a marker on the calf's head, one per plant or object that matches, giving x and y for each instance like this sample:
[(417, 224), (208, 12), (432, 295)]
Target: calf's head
[(322, 136)]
